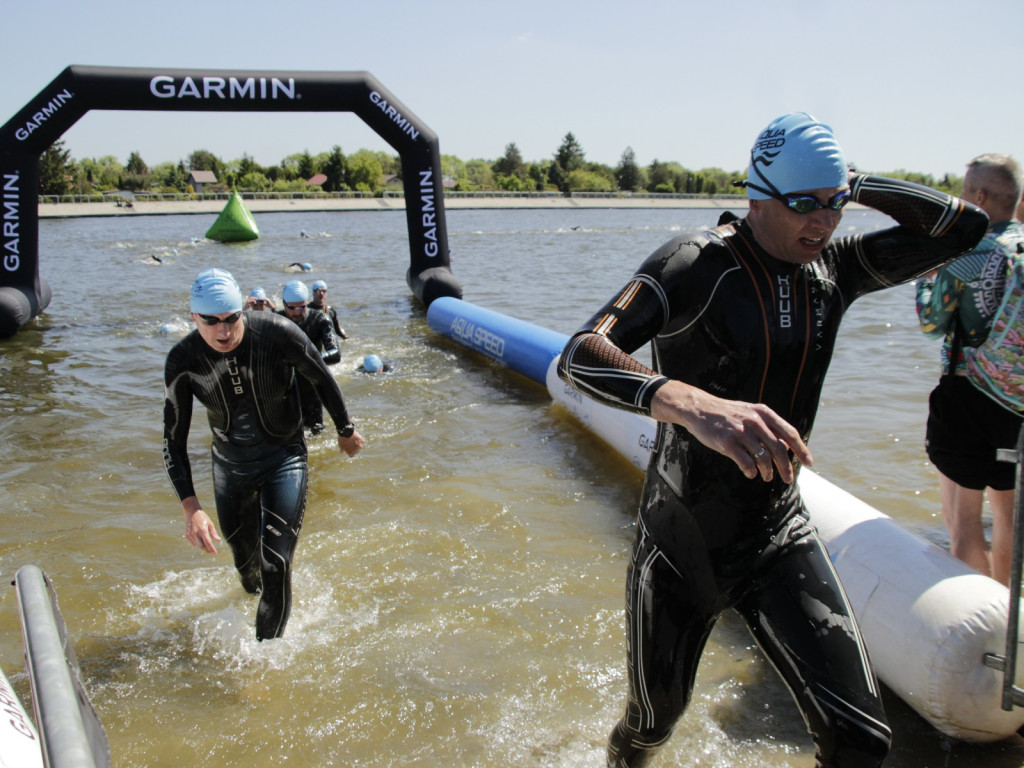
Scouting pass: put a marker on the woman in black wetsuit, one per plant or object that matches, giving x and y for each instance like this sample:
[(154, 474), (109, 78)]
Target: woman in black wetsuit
[(243, 366), (742, 321)]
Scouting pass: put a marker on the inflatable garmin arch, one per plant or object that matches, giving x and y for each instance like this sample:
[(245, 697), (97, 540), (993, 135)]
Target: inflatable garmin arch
[(78, 89)]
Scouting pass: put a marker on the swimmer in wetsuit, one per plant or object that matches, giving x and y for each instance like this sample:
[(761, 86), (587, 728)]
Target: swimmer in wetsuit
[(243, 366), (743, 320), (316, 325)]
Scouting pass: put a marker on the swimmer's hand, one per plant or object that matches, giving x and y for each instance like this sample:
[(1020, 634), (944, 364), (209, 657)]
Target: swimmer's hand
[(751, 434), (199, 529), (351, 445)]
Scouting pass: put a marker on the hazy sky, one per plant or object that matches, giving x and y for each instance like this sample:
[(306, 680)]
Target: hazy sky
[(923, 85)]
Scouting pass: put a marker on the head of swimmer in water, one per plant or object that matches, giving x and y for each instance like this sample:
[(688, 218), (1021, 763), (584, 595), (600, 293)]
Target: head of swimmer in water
[(216, 308), (797, 184)]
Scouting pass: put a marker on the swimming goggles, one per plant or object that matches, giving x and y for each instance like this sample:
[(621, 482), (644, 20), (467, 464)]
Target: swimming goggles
[(805, 203), (214, 320), (295, 307)]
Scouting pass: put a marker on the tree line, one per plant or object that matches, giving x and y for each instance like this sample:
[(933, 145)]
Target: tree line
[(567, 171)]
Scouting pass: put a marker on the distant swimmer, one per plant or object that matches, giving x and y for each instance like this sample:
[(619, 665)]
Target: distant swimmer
[(153, 259), (303, 233), (297, 266), (243, 367)]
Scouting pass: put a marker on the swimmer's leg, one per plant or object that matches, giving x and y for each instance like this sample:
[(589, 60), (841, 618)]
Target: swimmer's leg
[(799, 615), (283, 498), (238, 512), (669, 616)]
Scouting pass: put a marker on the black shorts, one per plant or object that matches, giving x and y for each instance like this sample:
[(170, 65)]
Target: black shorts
[(965, 428)]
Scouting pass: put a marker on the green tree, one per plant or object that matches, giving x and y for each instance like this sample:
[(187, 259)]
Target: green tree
[(627, 172), (254, 181), (364, 171), (585, 180), (57, 171), (510, 164), (307, 168), (105, 173), (480, 174), (204, 160), (136, 165), (334, 169), (660, 177), (570, 154)]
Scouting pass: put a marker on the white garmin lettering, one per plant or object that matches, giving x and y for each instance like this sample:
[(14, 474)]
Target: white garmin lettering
[(394, 114), (430, 248), (40, 117), (250, 89), (12, 222)]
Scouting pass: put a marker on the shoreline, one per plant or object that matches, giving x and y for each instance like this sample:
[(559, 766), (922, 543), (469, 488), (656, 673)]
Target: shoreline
[(185, 207)]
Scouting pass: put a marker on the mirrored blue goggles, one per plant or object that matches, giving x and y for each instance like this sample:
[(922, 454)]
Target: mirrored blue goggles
[(806, 203), (213, 319)]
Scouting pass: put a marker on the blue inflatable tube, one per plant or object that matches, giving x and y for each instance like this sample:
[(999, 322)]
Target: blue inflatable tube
[(524, 347)]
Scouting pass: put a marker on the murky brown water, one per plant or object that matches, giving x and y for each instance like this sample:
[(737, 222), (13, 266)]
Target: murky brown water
[(458, 587)]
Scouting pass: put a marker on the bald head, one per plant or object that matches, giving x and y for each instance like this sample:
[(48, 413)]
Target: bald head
[(994, 184)]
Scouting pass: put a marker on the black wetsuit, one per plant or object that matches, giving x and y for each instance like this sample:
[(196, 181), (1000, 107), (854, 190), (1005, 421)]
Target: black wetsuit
[(259, 452), (332, 313), (316, 325), (725, 316)]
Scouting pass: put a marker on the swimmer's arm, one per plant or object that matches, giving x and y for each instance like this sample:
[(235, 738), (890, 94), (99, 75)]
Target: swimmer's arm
[(199, 528), (733, 428)]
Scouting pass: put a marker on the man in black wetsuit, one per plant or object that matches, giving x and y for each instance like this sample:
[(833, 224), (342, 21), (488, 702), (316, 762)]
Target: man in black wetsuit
[(316, 325), (743, 320), (242, 366), (319, 301)]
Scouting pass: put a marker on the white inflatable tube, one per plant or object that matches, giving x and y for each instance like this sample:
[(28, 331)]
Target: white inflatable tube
[(19, 742), (72, 736), (928, 619)]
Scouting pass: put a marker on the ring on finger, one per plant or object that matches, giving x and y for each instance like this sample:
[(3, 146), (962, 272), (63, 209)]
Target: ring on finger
[(761, 452)]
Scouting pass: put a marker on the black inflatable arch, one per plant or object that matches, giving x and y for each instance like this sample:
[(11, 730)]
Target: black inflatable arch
[(23, 295)]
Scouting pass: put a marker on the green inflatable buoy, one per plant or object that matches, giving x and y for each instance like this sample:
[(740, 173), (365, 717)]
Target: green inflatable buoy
[(234, 224)]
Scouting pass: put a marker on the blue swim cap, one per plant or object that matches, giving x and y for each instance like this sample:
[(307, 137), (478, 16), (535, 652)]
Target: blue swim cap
[(258, 293), (215, 292), (372, 363), (295, 291), (793, 154), (319, 285), (307, 267)]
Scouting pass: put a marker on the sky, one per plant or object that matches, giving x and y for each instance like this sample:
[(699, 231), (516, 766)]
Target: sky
[(920, 85)]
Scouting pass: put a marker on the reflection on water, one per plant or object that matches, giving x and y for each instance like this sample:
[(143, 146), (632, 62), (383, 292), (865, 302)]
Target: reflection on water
[(458, 586)]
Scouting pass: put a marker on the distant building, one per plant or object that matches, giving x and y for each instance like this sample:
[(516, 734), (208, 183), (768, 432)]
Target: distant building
[(197, 179)]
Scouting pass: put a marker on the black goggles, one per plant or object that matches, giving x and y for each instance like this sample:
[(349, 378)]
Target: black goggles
[(214, 320), (806, 203)]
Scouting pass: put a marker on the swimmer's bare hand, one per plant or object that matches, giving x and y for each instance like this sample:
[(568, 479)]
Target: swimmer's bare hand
[(351, 445), (199, 528), (756, 438)]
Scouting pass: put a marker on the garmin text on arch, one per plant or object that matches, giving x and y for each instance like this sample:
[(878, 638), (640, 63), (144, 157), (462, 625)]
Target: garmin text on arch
[(43, 114), (230, 88)]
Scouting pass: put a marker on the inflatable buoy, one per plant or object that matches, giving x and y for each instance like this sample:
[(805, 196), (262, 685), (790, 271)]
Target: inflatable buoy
[(234, 224)]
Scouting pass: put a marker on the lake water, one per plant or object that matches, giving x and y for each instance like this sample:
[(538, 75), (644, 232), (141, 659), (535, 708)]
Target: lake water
[(458, 586)]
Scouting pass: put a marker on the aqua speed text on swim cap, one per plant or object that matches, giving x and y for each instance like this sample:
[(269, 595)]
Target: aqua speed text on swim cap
[(795, 153), (294, 292), (372, 363), (319, 285), (215, 292)]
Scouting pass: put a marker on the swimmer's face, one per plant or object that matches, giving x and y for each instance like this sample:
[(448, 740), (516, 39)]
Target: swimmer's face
[(795, 237), (223, 337), (295, 311)]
